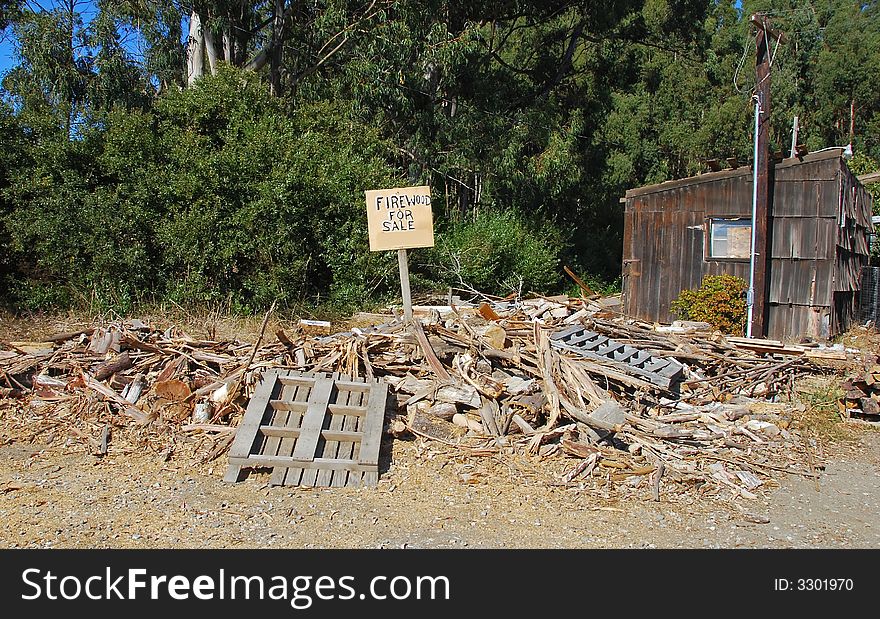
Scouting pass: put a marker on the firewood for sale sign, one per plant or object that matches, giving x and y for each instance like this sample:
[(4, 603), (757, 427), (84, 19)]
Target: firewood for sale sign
[(400, 218)]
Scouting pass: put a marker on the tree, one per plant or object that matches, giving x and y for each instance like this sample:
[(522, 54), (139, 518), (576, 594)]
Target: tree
[(70, 69), (846, 74)]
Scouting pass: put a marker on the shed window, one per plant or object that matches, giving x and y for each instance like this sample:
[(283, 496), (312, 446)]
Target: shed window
[(730, 238)]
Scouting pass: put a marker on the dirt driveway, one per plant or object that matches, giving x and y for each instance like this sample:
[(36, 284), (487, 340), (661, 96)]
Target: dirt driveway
[(429, 496)]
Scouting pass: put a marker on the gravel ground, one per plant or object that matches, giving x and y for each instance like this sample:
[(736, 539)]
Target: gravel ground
[(60, 496)]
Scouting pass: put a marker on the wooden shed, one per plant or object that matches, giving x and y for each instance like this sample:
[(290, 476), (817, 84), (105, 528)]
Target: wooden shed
[(677, 232)]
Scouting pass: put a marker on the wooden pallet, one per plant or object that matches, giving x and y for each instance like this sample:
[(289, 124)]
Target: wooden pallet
[(659, 371), (312, 430)]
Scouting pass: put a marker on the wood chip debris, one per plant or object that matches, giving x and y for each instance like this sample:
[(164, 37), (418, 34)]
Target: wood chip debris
[(480, 380)]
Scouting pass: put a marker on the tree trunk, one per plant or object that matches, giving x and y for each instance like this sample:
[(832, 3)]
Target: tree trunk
[(242, 34), (227, 46), (210, 48), (852, 119), (195, 54), (276, 47)]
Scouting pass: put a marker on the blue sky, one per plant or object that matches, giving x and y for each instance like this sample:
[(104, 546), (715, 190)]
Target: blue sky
[(6, 52)]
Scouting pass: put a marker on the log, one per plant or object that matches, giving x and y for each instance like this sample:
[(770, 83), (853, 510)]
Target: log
[(69, 335), (600, 422), (430, 356), (443, 410), (464, 421), (608, 415), (111, 395), (459, 394), (672, 432), (105, 437), (119, 364), (523, 425), (434, 427), (576, 448)]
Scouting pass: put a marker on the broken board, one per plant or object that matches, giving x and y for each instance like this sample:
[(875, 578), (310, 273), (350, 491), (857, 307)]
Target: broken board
[(311, 430), (657, 370)]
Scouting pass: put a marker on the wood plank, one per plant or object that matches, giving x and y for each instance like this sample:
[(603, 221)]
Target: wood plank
[(300, 381), (318, 463), (331, 446), (313, 421), (348, 409), (351, 385), (372, 425), (329, 435), (246, 433), (355, 479), (292, 476), (346, 449), (247, 430), (285, 418), (310, 476), (283, 405)]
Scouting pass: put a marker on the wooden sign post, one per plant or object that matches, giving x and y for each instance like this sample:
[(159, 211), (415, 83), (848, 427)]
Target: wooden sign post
[(400, 219)]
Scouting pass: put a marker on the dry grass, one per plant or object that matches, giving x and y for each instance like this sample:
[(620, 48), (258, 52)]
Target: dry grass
[(821, 416), (197, 323), (866, 339), (821, 394), (215, 322)]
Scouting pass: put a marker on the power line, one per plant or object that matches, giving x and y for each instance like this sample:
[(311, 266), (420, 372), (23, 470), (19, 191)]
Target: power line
[(739, 65)]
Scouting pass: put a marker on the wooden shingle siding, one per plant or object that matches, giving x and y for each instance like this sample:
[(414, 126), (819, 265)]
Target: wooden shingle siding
[(803, 237), (819, 219)]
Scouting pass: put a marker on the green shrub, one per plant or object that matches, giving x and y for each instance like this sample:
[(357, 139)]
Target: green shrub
[(720, 301), (219, 193), (496, 253)]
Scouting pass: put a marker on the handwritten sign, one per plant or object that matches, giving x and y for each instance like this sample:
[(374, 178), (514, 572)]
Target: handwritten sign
[(400, 218)]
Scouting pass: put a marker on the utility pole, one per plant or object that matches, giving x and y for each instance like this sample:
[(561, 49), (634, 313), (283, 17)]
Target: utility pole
[(761, 205)]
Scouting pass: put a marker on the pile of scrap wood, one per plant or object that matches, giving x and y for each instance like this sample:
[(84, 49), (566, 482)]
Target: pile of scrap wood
[(558, 379), (862, 394)]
